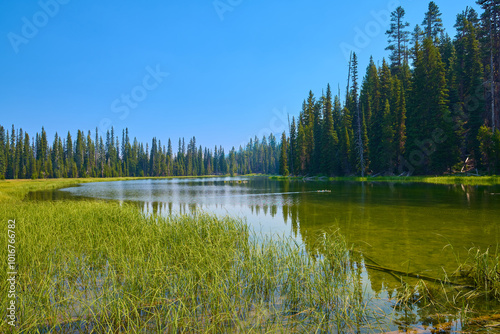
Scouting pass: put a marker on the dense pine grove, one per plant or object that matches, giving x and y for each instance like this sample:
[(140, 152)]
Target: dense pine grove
[(22, 156), (431, 109)]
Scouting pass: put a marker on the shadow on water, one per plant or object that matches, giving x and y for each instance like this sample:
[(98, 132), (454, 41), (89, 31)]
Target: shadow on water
[(402, 226)]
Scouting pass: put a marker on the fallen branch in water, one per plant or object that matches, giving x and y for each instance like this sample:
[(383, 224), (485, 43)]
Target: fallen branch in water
[(482, 322), (415, 275)]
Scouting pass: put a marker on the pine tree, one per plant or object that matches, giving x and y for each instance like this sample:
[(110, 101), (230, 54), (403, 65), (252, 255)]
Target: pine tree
[(309, 131), (417, 40), (330, 137), (69, 160), (170, 162), (490, 38), (90, 157), (42, 154), (473, 88), (25, 158), (34, 172), (384, 93), (428, 129), (284, 156), (346, 151), (400, 126), (366, 144), (387, 151), (17, 154), (3, 160), (489, 144), (432, 22), (80, 153), (11, 167), (398, 39), (301, 150), (232, 162)]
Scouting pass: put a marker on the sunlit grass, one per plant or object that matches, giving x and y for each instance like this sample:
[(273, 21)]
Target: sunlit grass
[(98, 266), (465, 180)]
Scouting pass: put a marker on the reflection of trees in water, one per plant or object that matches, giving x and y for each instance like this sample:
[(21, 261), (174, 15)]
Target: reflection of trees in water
[(391, 223), (395, 224)]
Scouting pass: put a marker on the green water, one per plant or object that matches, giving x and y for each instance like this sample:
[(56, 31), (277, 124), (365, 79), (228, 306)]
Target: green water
[(419, 228)]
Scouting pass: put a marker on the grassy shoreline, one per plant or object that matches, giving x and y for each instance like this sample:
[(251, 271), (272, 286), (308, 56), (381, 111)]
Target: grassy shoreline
[(97, 266), (17, 189), (101, 266), (465, 180)]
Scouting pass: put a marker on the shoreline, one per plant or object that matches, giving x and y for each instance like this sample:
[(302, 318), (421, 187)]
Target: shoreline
[(464, 180)]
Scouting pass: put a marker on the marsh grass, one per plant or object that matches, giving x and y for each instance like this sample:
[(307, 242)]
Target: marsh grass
[(92, 266), (471, 306), (481, 269), (465, 180)]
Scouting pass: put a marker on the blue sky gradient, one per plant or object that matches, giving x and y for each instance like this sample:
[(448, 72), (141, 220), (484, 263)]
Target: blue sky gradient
[(222, 70)]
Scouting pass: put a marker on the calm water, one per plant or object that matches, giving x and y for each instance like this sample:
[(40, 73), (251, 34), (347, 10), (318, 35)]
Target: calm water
[(400, 226)]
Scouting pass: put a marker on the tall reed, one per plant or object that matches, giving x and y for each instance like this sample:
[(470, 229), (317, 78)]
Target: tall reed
[(100, 267)]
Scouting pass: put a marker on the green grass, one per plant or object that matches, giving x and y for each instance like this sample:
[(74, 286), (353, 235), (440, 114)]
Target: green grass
[(97, 266), (465, 180), (481, 269)]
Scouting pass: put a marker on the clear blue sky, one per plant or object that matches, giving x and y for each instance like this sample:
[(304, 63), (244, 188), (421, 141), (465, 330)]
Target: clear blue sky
[(233, 71)]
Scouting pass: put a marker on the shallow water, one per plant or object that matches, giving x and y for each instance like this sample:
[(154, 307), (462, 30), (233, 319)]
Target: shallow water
[(408, 227)]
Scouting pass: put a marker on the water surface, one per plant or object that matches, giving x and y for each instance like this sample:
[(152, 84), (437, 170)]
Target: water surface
[(405, 226)]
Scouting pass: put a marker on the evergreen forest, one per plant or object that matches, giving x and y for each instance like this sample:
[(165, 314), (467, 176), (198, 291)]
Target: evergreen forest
[(431, 108)]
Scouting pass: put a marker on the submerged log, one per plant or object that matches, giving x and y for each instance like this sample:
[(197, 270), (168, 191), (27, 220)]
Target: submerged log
[(487, 321), (415, 275)]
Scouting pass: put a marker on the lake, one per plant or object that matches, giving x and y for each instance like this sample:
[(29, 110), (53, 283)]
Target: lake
[(413, 227)]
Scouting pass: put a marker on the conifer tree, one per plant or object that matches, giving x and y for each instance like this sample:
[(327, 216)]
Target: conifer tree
[(34, 172), (69, 157), (284, 156), (232, 162), (387, 151), (80, 154), (330, 138), (432, 22), (301, 149), (490, 39), (427, 120), (17, 154), (3, 160), (346, 152), (398, 38), (25, 158), (294, 162), (400, 126)]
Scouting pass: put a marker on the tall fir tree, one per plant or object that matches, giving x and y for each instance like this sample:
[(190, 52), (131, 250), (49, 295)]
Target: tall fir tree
[(330, 137), (284, 156), (433, 22), (398, 38), (3, 158)]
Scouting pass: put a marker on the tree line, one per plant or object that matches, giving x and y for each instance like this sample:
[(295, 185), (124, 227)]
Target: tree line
[(23, 157), (432, 108)]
